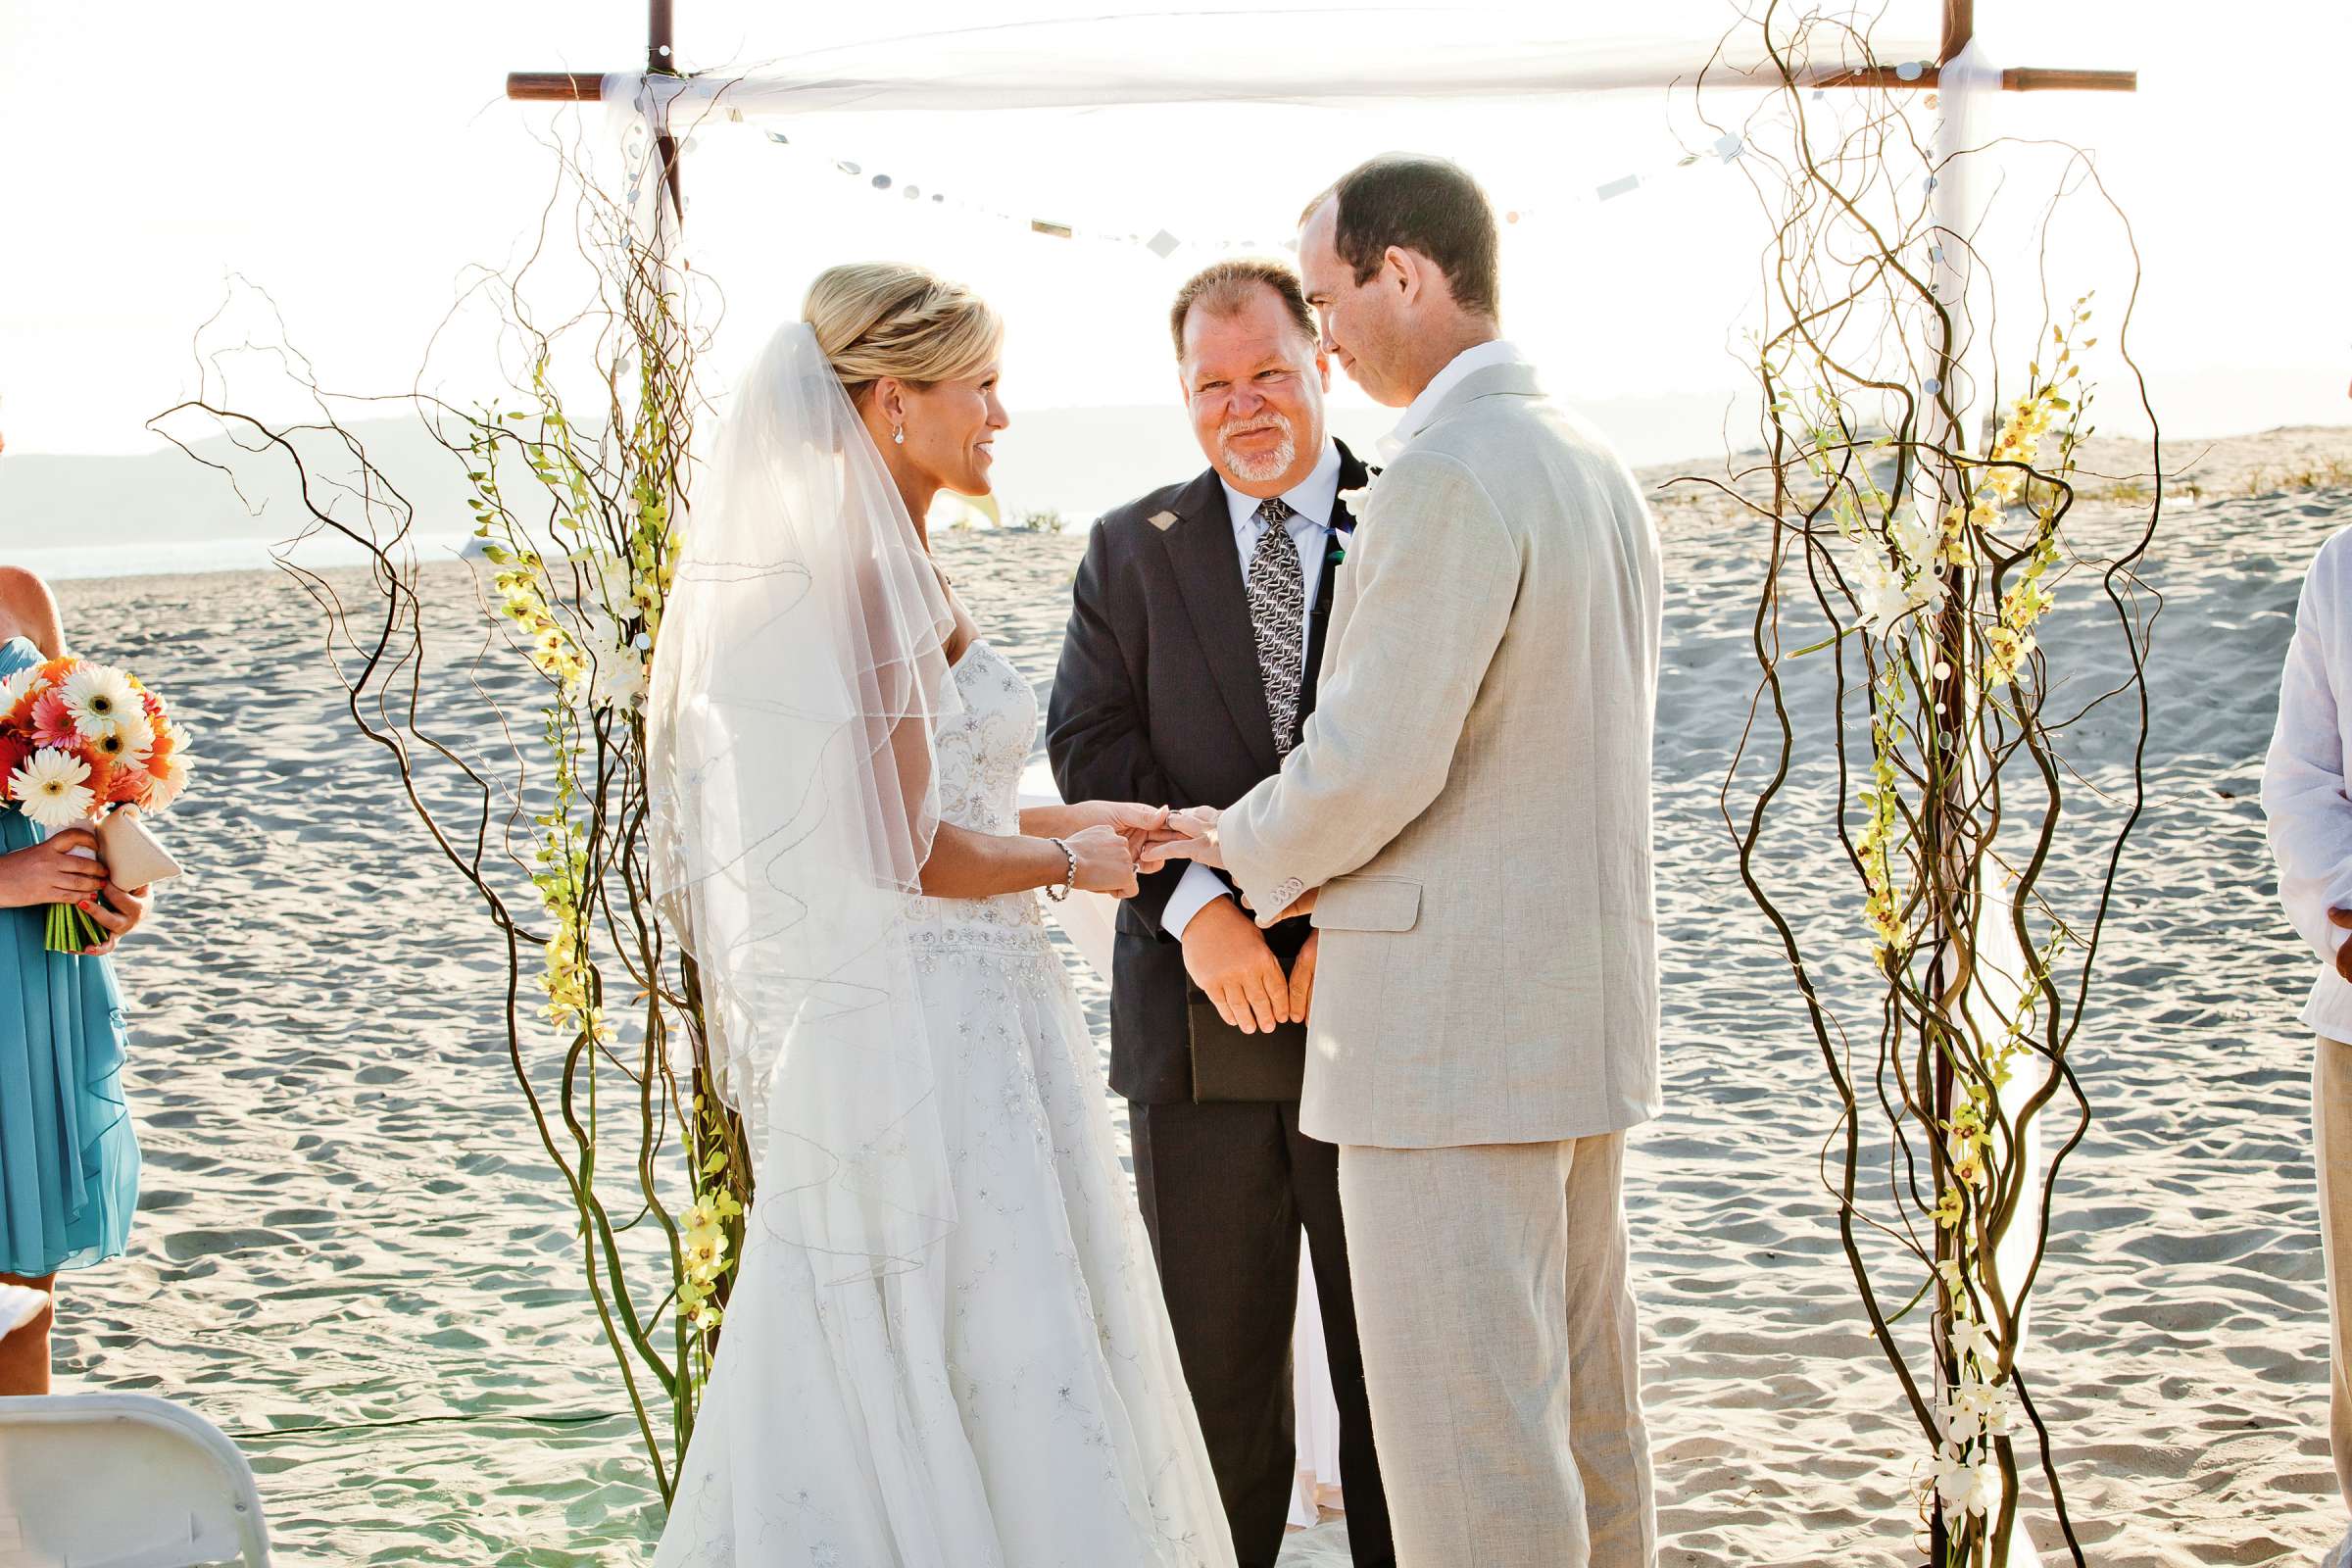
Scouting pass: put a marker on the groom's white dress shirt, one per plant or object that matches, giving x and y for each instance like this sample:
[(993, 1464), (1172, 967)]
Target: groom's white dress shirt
[(2304, 791), (1419, 412), (1311, 502)]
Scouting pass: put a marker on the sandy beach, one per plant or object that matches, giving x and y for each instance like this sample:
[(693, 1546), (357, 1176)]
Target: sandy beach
[(348, 1224)]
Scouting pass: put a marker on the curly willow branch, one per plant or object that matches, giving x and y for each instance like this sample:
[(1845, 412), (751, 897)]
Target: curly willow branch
[(573, 507), (1910, 578)]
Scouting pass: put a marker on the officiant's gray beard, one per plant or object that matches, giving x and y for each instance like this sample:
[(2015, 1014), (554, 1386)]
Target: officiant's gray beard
[(1273, 465)]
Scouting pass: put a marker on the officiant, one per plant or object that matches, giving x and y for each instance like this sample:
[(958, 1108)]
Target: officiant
[(1187, 673)]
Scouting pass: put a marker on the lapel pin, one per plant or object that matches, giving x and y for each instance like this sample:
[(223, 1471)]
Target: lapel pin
[(1163, 521)]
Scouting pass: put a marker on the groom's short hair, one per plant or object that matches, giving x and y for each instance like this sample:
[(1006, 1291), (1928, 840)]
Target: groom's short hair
[(1223, 288), (1418, 202)]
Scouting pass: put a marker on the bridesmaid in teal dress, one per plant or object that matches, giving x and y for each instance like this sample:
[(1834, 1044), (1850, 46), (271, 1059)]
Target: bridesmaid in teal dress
[(69, 1160)]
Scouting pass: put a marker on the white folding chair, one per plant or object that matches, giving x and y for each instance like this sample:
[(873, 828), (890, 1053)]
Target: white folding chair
[(123, 1481)]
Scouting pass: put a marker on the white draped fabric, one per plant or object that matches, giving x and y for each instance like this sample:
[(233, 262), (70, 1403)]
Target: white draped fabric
[(1353, 58)]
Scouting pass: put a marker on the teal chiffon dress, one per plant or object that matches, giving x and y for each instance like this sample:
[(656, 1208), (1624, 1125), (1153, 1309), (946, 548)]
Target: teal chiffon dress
[(69, 1158)]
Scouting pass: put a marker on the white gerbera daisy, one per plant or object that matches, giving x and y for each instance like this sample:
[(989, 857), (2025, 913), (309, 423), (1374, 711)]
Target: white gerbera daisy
[(99, 699), (14, 689), (128, 739), (170, 780), (50, 788)]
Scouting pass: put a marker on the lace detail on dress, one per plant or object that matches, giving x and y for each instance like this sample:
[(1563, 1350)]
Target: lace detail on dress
[(982, 752)]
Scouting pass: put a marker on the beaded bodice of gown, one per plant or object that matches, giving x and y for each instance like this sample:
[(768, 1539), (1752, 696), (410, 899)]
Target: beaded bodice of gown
[(982, 752)]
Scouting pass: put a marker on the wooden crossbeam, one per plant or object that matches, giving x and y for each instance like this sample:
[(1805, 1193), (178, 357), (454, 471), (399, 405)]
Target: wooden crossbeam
[(553, 86), (578, 86), (1959, 29)]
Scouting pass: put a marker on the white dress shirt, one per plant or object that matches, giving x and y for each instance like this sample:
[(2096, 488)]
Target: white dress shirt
[(2303, 779), (1311, 502), (1417, 415)]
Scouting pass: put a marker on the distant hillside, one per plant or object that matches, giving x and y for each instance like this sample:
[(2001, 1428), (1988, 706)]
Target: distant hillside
[(1075, 460), (168, 498)]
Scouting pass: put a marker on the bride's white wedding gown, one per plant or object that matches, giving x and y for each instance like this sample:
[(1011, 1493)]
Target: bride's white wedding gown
[(1015, 1401)]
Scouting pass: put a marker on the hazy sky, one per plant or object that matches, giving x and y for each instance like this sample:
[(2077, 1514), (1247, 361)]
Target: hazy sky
[(354, 158)]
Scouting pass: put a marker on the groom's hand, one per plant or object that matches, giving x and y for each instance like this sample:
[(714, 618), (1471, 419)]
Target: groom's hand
[(1228, 958), (1296, 909), (1196, 840), (1303, 976), (1141, 825), (2341, 919)]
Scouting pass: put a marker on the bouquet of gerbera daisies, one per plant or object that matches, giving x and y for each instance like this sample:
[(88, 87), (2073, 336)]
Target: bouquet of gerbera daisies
[(77, 741)]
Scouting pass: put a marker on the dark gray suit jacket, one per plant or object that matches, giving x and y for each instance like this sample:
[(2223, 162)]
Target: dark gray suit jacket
[(1159, 699)]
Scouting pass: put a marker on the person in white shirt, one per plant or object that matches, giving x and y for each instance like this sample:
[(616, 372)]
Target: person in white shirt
[(1195, 639), (2310, 815)]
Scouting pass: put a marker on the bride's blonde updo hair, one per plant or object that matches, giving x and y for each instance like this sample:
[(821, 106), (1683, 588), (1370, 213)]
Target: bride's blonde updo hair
[(878, 319)]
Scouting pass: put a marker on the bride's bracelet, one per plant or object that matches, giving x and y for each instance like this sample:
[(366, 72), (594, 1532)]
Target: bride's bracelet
[(1070, 883)]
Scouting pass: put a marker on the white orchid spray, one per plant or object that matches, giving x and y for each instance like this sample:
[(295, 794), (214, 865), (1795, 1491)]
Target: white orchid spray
[(1929, 589)]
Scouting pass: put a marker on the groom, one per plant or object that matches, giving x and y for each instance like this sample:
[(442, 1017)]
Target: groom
[(1468, 816), (1195, 631)]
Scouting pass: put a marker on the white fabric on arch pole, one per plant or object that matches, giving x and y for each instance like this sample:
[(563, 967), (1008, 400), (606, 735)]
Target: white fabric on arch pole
[(1971, 90), (1352, 58)]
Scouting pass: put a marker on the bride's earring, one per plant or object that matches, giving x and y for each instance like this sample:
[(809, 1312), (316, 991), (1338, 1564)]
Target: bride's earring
[(898, 435)]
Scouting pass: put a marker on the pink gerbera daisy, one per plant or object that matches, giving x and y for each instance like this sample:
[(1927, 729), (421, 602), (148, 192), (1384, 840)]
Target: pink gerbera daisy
[(52, 722)]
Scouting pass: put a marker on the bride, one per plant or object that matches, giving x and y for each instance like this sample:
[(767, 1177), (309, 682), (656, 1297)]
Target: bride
[(945, 1347)]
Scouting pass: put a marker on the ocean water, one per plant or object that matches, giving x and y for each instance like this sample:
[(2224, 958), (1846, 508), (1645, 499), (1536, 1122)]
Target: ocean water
[(66, 563)]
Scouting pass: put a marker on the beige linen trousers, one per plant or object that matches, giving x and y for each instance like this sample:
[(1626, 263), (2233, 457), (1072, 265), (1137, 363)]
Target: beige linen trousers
[(2331, 1141)]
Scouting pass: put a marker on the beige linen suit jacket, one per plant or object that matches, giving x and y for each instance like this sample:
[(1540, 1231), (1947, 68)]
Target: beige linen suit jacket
[(1472, 792)]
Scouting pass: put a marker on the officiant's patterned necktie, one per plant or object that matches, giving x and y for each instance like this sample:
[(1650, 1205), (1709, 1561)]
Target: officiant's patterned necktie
[(1278, 609)]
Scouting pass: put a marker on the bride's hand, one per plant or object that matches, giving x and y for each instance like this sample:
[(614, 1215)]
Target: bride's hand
[(1188, 835), (1141, 825), (1105, 865)]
